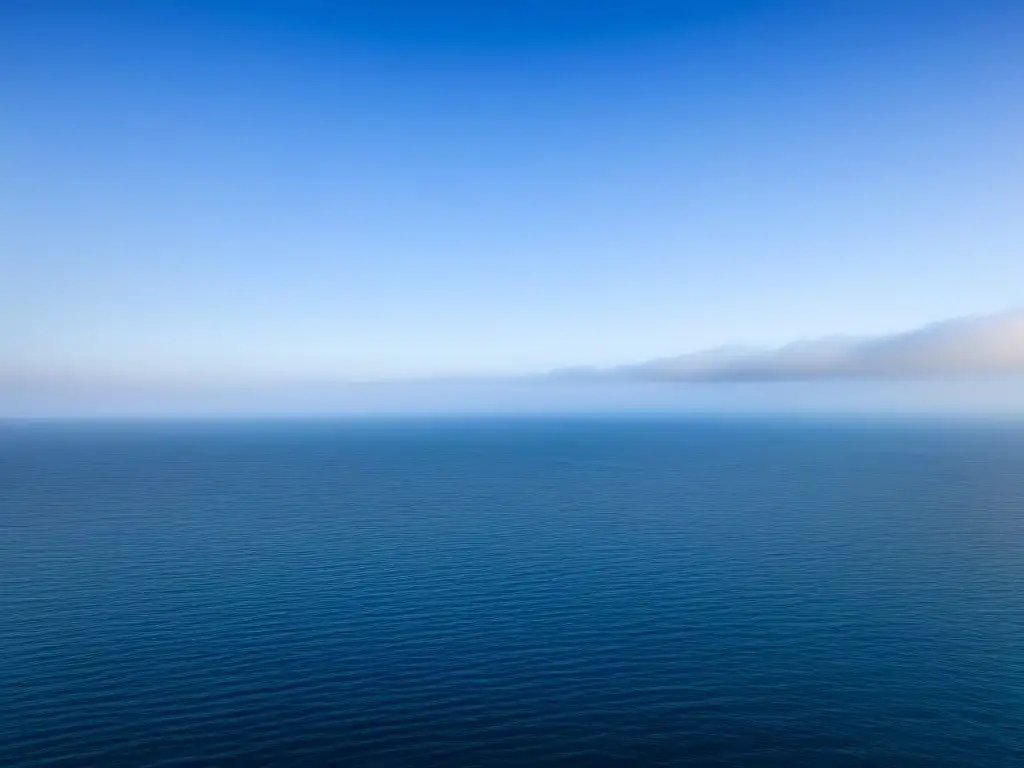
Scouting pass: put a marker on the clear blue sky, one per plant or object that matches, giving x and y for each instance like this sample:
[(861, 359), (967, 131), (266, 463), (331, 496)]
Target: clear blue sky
[(313, 189)]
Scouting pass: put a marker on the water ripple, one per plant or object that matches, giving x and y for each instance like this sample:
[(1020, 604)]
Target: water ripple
[(491, 593)]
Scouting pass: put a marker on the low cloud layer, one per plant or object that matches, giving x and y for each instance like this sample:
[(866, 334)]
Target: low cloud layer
[(967, 347), (967, 365)]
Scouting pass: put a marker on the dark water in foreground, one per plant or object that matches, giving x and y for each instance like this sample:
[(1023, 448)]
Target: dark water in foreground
[(459, 593)]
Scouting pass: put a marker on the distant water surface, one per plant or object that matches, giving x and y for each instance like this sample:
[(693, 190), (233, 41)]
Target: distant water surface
[(498, 592)]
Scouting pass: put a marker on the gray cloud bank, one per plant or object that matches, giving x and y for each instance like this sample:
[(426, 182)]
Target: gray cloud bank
[(990, 345), (968, 364)]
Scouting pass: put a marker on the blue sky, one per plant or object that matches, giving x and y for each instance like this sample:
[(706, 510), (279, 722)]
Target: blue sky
[(279, 191)]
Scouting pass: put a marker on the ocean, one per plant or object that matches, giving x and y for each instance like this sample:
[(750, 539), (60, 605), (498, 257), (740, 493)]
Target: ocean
[(591, 591)]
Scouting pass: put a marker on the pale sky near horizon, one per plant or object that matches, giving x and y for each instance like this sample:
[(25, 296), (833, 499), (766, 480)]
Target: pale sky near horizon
[(307, 190)]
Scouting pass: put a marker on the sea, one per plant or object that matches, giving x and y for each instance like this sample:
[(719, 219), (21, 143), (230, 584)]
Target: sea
[(501, 591)]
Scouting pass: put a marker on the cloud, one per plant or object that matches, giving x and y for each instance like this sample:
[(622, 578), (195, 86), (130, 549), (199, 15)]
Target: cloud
[(989, 345), (934, 368)]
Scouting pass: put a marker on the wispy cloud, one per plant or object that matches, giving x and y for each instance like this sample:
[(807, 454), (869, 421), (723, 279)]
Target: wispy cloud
[(941, 366), (970, 346)]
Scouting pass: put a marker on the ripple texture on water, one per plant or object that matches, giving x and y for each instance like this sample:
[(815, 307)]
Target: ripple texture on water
[(586, 592)]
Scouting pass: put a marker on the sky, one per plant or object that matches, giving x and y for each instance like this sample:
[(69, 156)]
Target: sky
[(261, 194)]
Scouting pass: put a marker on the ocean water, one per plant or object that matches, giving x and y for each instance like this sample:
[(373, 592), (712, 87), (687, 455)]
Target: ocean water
[(501, 592)]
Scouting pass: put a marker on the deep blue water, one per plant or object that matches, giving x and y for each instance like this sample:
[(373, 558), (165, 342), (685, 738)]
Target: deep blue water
[(582, 592)]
